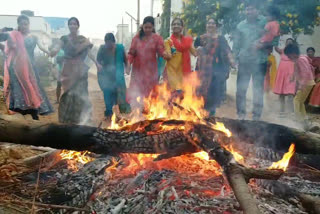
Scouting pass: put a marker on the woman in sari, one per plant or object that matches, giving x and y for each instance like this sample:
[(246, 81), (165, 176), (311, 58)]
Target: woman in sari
[(271, 74), (178, 48), (315, 94), (75, 106), (113, 61), (22, 89), (145, 48), (215, 60)]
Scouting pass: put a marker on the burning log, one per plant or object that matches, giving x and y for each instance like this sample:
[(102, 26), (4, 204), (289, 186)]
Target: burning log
[(188, 137), (237, 176), (298, 159), (81, 138), (273, 136)]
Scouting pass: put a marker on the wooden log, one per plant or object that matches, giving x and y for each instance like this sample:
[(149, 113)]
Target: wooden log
[(273, 136), (80, 138), (46, 157), (232, 170)]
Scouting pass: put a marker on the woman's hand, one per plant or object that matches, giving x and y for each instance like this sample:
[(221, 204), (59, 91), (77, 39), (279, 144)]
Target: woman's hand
[(167, 56), (99, 67), (127, 70), (233, 64), (292, 78)]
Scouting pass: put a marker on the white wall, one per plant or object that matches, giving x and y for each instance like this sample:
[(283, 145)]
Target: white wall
[(37, 23), (304, 42)]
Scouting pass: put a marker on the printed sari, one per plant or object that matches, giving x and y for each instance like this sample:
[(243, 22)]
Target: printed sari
[(75, 106)]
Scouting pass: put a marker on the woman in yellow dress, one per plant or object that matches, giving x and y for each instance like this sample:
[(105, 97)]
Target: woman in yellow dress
[(178, 48), (271, 75)]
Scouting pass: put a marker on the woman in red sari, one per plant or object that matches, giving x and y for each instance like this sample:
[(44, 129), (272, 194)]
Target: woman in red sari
[(315, 94), (146, 46)]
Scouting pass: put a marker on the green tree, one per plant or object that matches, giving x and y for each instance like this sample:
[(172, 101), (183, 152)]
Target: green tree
[(165, 19), (296, 16)]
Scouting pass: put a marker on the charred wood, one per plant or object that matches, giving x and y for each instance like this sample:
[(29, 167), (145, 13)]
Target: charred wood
[(75, 188), (80, 138), (310, 203), (274, 136), (232, 170), (270, 154)]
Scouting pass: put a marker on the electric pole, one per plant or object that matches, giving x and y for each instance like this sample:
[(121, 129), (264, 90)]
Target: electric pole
[(138, 15), (151, 9), (132, 18)]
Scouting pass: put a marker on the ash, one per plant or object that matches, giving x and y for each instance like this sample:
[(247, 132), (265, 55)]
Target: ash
[(165, 191)]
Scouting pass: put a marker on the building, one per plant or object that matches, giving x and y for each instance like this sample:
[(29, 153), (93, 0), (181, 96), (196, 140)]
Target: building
[(38, 26), (58, 25), (123, 35), (45, 28)]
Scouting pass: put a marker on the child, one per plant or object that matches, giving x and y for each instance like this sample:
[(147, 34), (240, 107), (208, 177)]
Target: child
[(272, 28), (284, 87), (304, 75), (271, 74)]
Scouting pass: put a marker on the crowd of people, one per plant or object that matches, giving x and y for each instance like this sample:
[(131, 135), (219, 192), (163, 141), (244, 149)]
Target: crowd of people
[(295, 79)]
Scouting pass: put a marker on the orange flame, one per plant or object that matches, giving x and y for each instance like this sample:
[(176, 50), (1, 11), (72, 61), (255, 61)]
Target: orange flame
[(284, 162), (163, 103), (239, 158), (74, 157), (220, 127), (113, 166), (187, 106)]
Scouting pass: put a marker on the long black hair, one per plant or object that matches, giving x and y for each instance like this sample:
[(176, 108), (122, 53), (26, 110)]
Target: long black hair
[(22, 17), (74, 19), (311, 49), (109, 37), (148, 19), (292, 49)]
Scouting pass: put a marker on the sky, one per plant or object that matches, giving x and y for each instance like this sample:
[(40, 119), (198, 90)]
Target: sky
[(97, 17)]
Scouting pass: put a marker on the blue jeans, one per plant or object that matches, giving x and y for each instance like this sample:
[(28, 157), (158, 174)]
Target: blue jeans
[(110, 99), (258, 72)]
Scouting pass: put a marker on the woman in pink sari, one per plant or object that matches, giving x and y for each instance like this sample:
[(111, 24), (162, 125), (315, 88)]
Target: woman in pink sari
[(22, 89), (145, 48)]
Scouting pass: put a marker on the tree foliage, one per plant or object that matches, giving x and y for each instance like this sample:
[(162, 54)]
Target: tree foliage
[(165, 19), (297, 16)]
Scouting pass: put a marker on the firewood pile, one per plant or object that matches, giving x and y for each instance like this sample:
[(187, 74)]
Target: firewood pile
[(183, 182)]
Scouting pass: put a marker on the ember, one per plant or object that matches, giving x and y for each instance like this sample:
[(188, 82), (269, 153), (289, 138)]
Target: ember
[(189, 164)]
